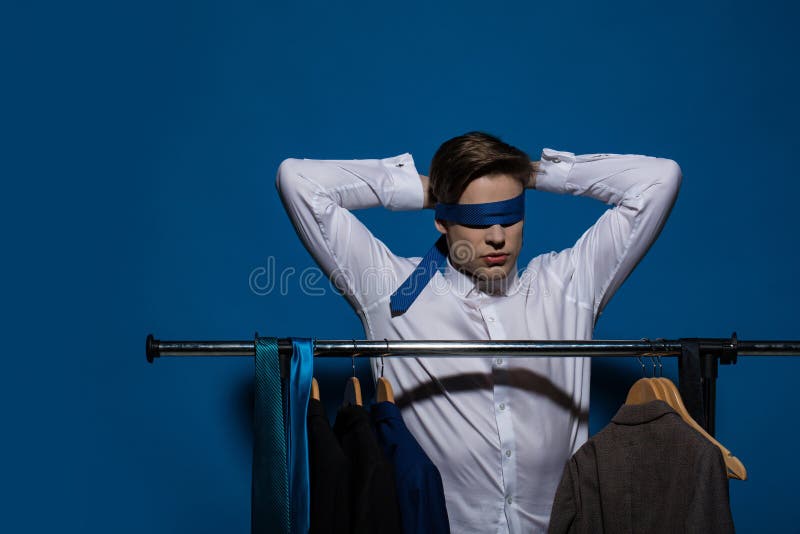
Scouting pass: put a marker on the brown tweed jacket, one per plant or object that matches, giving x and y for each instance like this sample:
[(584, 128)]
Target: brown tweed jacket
[(647, 471)]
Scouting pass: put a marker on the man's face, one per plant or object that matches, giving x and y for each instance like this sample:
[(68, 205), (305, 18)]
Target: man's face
[(488, 253)]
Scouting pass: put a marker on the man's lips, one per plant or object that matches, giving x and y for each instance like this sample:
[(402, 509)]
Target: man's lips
[(496, 258)]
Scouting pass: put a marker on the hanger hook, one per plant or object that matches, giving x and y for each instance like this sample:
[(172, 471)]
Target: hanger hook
[(660, 366), (387, 350), (663, 349), (653, 361), (641, 361), (353, 357)]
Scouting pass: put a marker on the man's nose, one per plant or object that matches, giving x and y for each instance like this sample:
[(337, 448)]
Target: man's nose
[(496, 234)]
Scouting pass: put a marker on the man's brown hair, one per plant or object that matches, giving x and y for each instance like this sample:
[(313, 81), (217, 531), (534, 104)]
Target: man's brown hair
[(472, 155)]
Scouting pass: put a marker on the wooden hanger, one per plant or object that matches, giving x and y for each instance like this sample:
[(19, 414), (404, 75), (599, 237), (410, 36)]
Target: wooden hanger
[(385, 393), (665, 394), (736, 468), (649, 389), (314, 389), (644, 390), (352, 392), (352, 388)]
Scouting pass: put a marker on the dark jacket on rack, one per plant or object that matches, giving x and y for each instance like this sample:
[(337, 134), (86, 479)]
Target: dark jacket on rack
[(329, 473), (374, 508), (419, 484), (647, 471)]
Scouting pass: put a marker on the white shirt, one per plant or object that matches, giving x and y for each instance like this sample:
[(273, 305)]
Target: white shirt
[(499, 429)]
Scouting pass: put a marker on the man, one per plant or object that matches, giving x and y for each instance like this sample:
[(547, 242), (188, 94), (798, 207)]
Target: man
[(499, 429)]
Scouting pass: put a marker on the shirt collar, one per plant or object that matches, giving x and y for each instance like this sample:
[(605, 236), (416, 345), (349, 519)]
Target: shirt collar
[(637, 414), (465, 286)]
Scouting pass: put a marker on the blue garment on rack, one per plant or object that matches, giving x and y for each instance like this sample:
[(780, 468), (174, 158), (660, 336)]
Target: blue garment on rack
[(280, 485), (420, 493), (507, 211), (270, 508), (298, 391)]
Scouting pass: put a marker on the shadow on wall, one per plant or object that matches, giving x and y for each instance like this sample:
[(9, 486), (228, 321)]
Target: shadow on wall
[(611, 380)]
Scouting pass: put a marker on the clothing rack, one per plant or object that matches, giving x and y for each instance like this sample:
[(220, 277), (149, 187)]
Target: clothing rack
[(713, 351)]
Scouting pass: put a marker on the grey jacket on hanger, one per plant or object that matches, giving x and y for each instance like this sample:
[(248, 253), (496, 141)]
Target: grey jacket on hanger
[(646, 471)]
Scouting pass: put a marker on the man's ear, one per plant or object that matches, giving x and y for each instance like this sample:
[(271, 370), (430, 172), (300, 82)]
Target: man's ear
[(439, 226)]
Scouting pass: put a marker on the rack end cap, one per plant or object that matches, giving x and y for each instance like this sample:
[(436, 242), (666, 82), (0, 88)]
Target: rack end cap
[(150, 349)]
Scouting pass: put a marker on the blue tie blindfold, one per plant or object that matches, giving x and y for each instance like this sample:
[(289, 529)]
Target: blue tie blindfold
[(486, 214)]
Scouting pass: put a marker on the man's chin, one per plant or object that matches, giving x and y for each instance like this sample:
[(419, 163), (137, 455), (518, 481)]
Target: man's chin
[(492, 273)]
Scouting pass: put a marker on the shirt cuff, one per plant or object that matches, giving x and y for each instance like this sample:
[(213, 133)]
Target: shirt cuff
[(408, 193), (554, 169)]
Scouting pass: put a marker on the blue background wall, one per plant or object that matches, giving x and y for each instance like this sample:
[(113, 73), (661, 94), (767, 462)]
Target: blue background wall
[(139, 147)]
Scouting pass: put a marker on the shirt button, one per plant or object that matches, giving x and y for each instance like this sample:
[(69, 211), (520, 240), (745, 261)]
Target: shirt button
[(499, 361), (509, 500), (502, 406), (508, 453), (490, 319)]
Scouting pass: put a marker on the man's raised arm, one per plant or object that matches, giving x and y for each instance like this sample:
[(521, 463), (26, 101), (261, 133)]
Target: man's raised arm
[(318, 196), (642, 190)]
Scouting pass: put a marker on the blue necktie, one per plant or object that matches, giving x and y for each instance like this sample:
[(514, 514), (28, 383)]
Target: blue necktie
[(270, 510), (298, 393), (485, 214)]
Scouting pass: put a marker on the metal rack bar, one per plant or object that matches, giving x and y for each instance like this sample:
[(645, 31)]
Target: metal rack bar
[(713, 351), (727, 348)]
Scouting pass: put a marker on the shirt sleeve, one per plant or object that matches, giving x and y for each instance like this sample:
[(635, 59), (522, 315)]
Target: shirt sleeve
[(641, 190), (318, 196)]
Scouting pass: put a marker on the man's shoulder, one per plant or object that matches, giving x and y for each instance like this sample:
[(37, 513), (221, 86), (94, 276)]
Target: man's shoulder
[(551, 262)]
